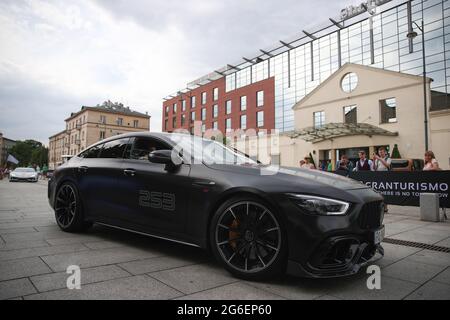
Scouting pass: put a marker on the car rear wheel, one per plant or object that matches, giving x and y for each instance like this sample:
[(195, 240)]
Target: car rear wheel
[(248, 238), (68, 209)]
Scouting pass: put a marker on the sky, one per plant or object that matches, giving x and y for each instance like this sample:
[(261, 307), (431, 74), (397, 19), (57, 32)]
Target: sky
[(56, 56)]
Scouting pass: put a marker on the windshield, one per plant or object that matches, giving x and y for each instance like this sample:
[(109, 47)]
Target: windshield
[(208, 151), (24, 170)]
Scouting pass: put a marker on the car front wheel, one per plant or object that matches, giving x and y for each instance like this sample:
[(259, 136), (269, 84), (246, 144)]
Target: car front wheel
[(248, 238), (68, 209)]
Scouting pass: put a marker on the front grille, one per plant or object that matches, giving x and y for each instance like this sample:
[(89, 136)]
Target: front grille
[(371, 215)]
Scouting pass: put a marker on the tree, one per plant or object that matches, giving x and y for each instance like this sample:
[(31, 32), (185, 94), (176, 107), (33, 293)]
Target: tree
[(396, 153), (30, 152)]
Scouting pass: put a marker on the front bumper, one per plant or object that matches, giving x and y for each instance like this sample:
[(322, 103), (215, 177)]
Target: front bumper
[(334, 246), (32, 179), (340, 263)]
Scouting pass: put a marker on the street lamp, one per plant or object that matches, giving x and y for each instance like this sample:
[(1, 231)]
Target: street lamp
[(412, 35)]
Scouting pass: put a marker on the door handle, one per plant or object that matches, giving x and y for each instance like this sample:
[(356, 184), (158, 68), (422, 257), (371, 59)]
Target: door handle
[(129, 172), (83, 169), (203, 183)]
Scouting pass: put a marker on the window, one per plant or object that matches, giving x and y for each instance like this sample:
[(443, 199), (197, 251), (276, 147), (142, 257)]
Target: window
[(215, 111), (215, 125), (166, 111), (243, 122), (183, 105), (142, 147), (102, 135), (388, 110), (114, 149), (183, 119), (174, 122), (103, 119), (203, 128), (203, 114), (136, 123), (228, 107), (228, 124), (319, 119), (91, 152), (193, 102), (350, 115), (243, 103), (216, 94), (166, 124), (349, 82), (120, 121), (260, 98), (203, 98), (174, 108), (260, 118), (192, 116)]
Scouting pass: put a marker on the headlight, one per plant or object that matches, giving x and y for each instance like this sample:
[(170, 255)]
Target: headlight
[(320, 206)]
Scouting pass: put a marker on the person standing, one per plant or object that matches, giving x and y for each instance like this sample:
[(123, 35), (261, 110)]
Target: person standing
[(431, 163), (44, 171), (302, 163), (381, 162), (308, 164), (363, 163), (343, 166), (349, 165)]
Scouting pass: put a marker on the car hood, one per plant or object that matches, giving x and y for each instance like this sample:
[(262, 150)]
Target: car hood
[(294, 175)]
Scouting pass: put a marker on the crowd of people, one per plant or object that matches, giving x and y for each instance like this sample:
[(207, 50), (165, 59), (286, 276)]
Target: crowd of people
[(379, 162)]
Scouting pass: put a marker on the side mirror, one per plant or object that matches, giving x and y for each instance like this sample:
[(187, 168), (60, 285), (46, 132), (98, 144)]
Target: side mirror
[(161, 157)]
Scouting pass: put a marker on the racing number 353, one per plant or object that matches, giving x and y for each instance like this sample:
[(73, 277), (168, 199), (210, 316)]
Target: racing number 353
[(157, 200)]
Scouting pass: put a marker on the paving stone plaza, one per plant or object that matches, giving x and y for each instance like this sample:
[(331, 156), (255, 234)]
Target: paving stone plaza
[(34, 256)]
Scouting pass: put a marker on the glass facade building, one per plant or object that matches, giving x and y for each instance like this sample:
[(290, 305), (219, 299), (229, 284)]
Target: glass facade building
[(379, 41)]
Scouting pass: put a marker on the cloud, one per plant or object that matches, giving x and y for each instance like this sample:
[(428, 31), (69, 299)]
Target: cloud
[(59, 55)]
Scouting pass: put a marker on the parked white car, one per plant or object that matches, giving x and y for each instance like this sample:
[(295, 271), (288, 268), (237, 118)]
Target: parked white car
[(24, 174)]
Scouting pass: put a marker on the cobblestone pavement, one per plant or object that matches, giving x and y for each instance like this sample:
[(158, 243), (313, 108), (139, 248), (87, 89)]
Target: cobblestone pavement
[(34, 255)]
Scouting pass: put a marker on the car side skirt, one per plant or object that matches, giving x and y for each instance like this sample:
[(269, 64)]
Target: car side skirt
[(148, 235)]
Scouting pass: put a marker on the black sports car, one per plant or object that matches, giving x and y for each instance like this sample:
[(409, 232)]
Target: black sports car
[(257, 221)]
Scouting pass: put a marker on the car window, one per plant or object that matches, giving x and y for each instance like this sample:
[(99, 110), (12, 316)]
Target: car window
[(142, 147), (91, 152), (114, 149)]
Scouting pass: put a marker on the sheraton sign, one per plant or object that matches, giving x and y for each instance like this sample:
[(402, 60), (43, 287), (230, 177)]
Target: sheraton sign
[(404, 188), (366, 6)]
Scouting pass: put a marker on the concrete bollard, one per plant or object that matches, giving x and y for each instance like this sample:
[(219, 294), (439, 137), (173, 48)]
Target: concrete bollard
[(429, 207)]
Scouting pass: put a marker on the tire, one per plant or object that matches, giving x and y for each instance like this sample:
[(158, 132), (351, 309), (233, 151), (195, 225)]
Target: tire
[(249, 239), (69, 213)]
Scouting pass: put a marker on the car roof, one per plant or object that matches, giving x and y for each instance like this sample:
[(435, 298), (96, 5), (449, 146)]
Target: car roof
[(160, 135)]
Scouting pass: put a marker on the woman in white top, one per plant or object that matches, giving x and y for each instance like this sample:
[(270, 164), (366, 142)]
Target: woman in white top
[(431, 163), (307, 164)]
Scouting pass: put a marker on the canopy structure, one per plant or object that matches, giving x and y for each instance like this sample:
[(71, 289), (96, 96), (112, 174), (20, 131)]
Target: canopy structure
[(336, 130)]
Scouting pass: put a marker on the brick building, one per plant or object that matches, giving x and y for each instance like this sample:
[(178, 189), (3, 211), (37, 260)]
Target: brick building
[(251, 106)]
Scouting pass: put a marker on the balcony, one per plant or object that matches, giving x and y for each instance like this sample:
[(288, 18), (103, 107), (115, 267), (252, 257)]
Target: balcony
[(78, 126), (78, 142)]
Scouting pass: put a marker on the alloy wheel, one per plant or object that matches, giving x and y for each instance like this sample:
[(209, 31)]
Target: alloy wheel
[(65, 205), (248, 237)]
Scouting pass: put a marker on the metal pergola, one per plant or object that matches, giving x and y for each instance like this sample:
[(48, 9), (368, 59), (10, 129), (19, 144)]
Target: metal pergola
[(337, 130)]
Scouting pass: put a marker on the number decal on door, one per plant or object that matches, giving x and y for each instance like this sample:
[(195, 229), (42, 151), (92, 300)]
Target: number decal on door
[(157, 200)]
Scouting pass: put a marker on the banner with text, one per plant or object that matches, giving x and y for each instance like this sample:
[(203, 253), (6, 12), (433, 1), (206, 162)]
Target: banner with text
[(404, 188)]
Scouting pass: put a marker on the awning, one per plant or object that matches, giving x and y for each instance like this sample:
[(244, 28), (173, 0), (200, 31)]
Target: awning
[(336, 130)]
